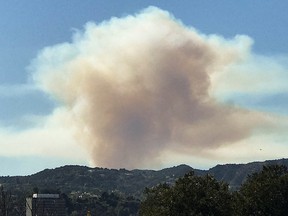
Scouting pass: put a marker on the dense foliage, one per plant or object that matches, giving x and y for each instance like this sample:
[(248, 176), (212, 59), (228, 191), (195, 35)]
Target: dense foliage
[(191, 195), (79, 180), (108, 204), (168, 191), (264, 193)]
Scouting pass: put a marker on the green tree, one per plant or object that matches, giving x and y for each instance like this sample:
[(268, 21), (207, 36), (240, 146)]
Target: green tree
[(157, 201), (201, 195), (265, 193), (191, 195)]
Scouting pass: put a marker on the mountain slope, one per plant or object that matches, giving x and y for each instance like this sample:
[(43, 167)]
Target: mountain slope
[(78, 180), (236, 174)]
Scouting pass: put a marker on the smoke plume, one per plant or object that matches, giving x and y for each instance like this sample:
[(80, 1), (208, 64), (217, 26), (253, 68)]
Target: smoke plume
[(137, 85)]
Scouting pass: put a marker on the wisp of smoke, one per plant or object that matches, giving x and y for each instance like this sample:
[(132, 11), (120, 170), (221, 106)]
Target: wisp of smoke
[(137, 85)]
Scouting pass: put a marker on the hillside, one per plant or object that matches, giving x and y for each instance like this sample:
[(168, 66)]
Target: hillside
[(235, 174), (79, 180)]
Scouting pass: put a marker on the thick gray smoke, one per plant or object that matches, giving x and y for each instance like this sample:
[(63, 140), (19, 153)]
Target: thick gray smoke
[(138, 85)]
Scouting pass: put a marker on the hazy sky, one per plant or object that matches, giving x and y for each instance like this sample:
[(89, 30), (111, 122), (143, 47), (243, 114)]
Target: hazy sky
[(114, 84)]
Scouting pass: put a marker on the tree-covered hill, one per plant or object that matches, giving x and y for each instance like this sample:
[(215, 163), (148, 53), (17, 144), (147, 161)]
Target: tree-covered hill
[(114, 192), (79, 180), (236, 174)]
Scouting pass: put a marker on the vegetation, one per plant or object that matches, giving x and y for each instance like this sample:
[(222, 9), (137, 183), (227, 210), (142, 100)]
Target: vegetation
[(264, 193), (108, 204), (191, 195), (168, 191), (79, 180)]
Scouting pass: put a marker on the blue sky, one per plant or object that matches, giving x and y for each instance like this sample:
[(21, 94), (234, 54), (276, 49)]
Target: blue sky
[(29, 26)]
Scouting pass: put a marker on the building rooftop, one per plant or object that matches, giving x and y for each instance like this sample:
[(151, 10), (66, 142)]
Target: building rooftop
[(51, 196)]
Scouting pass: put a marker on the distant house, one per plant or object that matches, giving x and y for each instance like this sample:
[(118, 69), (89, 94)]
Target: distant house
[(45, 205)]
